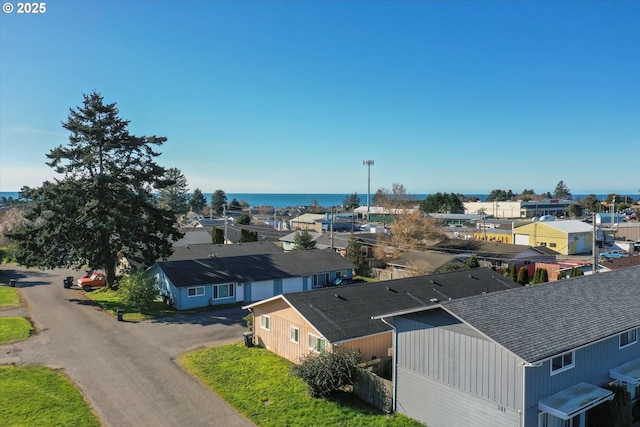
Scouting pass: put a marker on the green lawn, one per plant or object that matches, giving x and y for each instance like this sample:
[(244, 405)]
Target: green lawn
[(14, 329), (39, 396), (9, 297), (110, 301), (257, 384)]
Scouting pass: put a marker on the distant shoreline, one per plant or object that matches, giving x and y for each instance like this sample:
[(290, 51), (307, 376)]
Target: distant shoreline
[(280, 200)]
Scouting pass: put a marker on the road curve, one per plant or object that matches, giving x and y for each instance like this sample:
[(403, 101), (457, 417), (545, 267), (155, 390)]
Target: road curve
[(126, 370)]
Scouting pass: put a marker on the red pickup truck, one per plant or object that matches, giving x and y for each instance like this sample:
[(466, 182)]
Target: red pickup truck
[(95, 280)]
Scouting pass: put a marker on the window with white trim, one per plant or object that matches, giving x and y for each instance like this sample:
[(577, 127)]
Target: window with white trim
[(317, 344), (294, 334), (628, 338), (562, 362), (195, 292), (265, 322), (223, 291)]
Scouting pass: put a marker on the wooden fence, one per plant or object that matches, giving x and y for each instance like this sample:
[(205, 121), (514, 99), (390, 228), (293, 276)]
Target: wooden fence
[(375, 390)]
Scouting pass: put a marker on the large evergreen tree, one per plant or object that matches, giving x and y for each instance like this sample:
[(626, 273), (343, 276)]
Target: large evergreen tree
[(351, 201), (174, 195), (561, 191), (197, 201), (103, 206), (218, 200)]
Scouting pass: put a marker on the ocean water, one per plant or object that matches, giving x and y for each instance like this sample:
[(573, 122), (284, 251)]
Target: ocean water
[(280, 200)]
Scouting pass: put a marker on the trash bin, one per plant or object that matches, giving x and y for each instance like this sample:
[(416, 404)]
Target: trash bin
[(12, 283), (248, 339), (120, 315), (68, 282)]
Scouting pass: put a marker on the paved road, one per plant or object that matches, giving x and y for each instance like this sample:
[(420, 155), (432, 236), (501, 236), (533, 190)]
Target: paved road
[(126, 370)]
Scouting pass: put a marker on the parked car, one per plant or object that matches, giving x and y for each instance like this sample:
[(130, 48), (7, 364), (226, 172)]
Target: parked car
[(95, 280), (613, 254)]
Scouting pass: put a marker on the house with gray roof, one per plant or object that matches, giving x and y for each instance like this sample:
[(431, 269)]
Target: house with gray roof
[(292, 325), (193, 283), (528, 357)]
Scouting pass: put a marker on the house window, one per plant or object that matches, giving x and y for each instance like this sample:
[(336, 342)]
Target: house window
[(223, 291), (320, 280), (548, 420), (317, 344), (265, 322), (562, 362), (195, 292), (552, 245), (294, 334), (628, 338)]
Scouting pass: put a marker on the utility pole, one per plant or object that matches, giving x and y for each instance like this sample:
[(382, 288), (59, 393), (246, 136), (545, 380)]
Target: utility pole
[(224, 218), (368, 164), (594, 245)]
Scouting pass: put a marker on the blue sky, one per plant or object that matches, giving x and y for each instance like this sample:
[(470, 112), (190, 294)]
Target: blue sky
[(291, 97)]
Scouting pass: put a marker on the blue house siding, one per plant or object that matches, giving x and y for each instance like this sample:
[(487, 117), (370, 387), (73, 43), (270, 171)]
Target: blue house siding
[(591, 365), (277, 286), (247, 292)]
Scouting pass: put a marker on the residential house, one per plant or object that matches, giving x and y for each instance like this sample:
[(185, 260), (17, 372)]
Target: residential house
[(219, 250), (567, 237), (497, 254), (535, 356), (411, 263), (337, 241), (193, 283), (291, 325)]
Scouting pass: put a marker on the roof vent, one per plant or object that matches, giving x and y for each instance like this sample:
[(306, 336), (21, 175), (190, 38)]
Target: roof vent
[(471, 276), (339, 297), (391, 290), (434, 300), (435, 283)]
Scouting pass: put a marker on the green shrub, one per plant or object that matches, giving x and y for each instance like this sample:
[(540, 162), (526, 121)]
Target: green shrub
[(243, 219), (523, 276), (613, 413), (327, 372), (138, 290)]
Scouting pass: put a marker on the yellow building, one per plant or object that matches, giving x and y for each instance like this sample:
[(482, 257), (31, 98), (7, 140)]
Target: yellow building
[(568, 237)]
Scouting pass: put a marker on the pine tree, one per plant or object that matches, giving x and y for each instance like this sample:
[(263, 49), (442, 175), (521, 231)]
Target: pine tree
[(174, 195), (523, 276), (544, 276), (102, 207), (197, 201), (513, 273)]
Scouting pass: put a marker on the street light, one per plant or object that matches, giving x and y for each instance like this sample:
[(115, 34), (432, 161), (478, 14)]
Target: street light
[(368, 164)]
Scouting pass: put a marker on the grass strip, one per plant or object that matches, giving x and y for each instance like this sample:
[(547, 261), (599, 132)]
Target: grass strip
[(9, 297), (14, 329), (39, 396), (257, 384), (110, 301)]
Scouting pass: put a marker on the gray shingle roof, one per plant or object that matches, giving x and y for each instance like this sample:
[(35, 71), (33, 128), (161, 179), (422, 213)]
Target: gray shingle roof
[(344, 313), (540, 321), (210, 250), (253, 268)]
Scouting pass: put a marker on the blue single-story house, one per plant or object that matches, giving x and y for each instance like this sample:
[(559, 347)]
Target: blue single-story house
[(194, 283)]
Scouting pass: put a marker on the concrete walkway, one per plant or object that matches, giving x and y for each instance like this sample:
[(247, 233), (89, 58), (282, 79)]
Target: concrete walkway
[(126, 370)]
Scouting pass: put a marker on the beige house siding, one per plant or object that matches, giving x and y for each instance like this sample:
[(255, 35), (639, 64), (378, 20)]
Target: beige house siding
[(278, 338), (283, 317), (375, 346)]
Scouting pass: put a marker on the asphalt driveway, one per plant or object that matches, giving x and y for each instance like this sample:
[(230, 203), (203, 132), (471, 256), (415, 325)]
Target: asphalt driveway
[(126, 370)]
